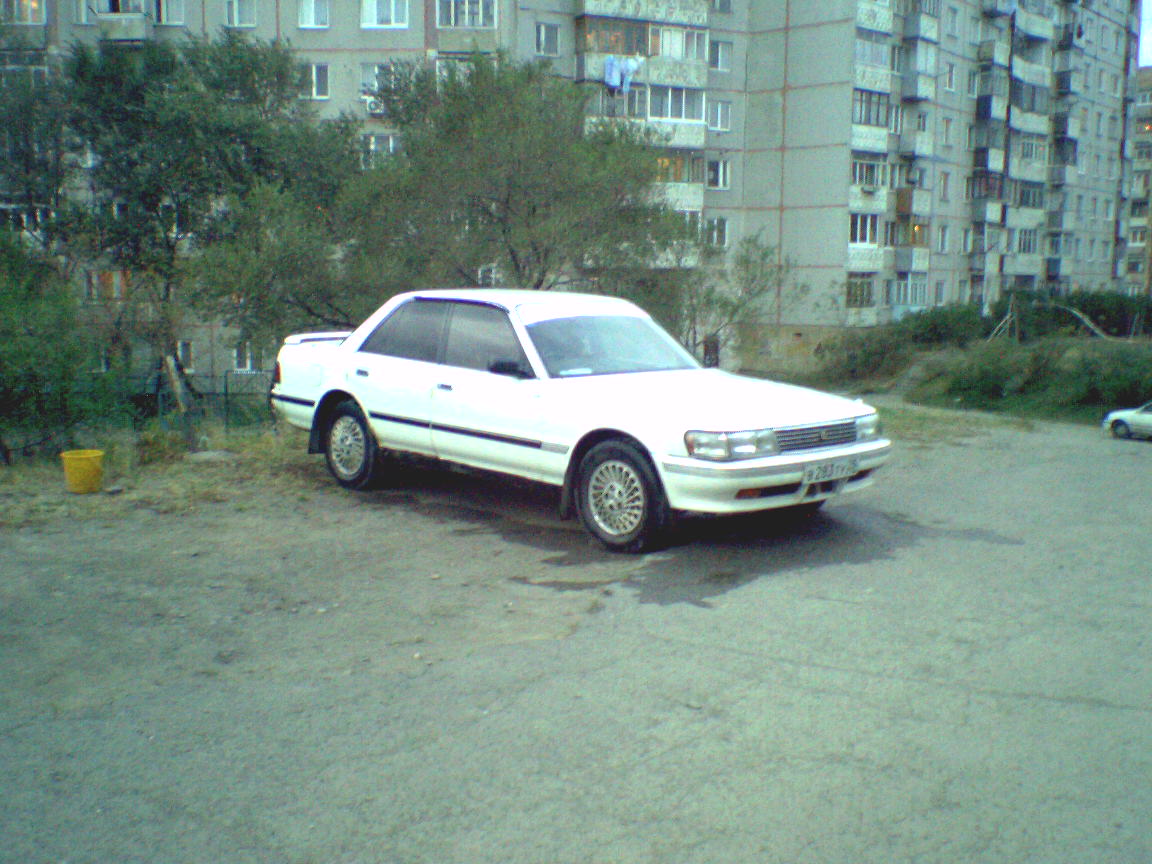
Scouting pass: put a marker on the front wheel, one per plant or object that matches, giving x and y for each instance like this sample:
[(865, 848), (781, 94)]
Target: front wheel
[(350, 447), (1120, 429), (619, 497)]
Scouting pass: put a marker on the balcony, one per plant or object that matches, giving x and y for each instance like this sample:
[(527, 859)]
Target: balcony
[(911, 200), (917, 145), (1027, 121), (1058, 220), (655, 70), (992, 108), (977, 261), (124, 26), (1068, 83), (874, 15), (912, 259), (1033, 25), (997, 8), (1057, 175), (993, 51), (865, 259), (1066, 125), (689, 12), (1052, 268), (988, 210), (918, 87), (921, 25), (989, 159), (871, 138)]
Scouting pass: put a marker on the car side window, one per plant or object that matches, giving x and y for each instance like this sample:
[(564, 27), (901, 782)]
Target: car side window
[(481, 337), (413, 332)]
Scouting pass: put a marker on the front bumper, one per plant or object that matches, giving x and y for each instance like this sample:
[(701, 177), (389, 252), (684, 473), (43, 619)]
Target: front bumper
[(778, 481)]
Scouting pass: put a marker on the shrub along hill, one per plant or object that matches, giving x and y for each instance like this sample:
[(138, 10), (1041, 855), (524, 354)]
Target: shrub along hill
[(1071, 359)]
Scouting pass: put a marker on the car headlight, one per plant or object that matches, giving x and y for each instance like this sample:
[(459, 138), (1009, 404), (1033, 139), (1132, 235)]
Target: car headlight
[(868, 428), (727, 446)]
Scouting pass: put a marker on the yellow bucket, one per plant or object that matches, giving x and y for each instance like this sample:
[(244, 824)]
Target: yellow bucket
[(83, 470)]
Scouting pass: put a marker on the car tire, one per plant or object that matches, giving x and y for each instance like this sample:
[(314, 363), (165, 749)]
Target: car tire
[(350, 447), (620, 499), (1120, 429)]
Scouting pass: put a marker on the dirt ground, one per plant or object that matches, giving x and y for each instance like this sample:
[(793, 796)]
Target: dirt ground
[(249, 666)]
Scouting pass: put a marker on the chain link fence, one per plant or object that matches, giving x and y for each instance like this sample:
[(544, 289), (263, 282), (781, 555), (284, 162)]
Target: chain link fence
[(235, 399)]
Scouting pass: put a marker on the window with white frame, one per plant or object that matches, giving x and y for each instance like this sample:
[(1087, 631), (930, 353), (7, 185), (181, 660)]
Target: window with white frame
[(942, 239), (716, 231), (678, 43), (1027, 241), (873, 48), (719, 115), (184, 355), (943, 181), (720, 55), (169, 11), (383, 13), (724, 6), (22, 11), (239, 13), (375, 147), (547, 39), (313, 13), (675, 103), (242, 360), (719, 174), (869, 169), (863, 228), (860, 291), (316, 81), (465, 13), (374, 76), (949, 76)]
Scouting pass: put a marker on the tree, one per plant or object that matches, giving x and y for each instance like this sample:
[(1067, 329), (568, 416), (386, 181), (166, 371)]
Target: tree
[(45, 351), (177, 131), (500, 167)]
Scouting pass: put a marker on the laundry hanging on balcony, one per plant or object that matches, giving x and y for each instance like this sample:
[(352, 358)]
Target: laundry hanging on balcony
[(619, 71)]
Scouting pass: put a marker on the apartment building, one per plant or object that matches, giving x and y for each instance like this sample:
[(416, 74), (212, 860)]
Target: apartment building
[(1137, 269), (901, 154)]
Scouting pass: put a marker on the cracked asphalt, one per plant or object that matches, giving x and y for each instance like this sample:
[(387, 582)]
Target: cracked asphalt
[(953, 666)]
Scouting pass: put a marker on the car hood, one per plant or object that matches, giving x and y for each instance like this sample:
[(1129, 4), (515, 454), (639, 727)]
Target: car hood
[(707, 399)]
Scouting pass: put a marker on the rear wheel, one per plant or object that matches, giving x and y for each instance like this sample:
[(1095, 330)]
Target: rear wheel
[(350, 447), (1120, 429), (619, 497)]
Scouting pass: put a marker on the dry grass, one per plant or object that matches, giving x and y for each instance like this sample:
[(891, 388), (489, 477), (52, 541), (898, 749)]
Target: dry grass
[(918, 424), (150, 471)]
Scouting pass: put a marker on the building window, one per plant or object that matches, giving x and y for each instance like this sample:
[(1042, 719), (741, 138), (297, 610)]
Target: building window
[(863, 228), (1138, 236), (949, 76), (313, 13), (1028, 241), (724, 6), (613, 36), (239, 13), (719, 174), (376, 147), (973, 83), (184, 355), (676, 103), (167, 12), (869, 169), (466, 13), (242, 359), (22, 11), (859, 291), (675, 166), (719, 115), (316, 81), (873, 48), (943, 182), (942, 239), (716, 231), (547, 39), (678, 43), (720, 56), (870, 108), (384, 13)]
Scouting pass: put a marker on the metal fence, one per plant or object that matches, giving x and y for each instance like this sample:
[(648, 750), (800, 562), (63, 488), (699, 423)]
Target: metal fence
[(236, 399)]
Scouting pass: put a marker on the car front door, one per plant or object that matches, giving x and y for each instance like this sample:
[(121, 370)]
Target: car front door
[(486, 403)]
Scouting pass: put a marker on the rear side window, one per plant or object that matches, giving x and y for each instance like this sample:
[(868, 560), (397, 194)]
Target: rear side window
[(480, 337), (413, 332)]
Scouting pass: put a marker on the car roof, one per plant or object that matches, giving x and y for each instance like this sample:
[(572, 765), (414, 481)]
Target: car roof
[(536, 305)]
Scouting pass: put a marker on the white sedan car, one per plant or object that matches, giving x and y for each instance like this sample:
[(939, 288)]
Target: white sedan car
[(583, 392), (1130, 422)]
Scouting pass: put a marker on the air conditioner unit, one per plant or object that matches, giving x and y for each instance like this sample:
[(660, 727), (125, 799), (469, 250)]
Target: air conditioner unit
[(373, 106)]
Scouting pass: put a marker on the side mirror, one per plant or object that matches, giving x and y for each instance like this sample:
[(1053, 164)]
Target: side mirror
[(511, 368)]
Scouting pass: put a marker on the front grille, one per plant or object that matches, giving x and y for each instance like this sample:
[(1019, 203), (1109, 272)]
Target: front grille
[(815, 437)]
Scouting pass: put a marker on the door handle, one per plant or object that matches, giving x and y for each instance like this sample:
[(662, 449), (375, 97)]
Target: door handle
[(447, 387), (363, 373)]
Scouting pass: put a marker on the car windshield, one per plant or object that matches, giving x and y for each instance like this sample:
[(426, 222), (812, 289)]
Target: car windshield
[(606, 345)]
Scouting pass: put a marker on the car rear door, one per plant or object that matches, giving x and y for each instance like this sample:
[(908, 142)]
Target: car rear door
[(486, 403), (394, 372)]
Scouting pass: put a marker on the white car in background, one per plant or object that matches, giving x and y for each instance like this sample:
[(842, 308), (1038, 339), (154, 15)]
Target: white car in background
[(1130, 422), (583, 392)]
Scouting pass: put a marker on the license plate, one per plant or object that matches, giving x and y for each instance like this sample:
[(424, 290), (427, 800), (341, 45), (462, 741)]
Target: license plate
[(821, 471)]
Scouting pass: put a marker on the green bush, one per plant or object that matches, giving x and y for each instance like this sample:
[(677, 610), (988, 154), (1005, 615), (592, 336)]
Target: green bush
[(46, 353)]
